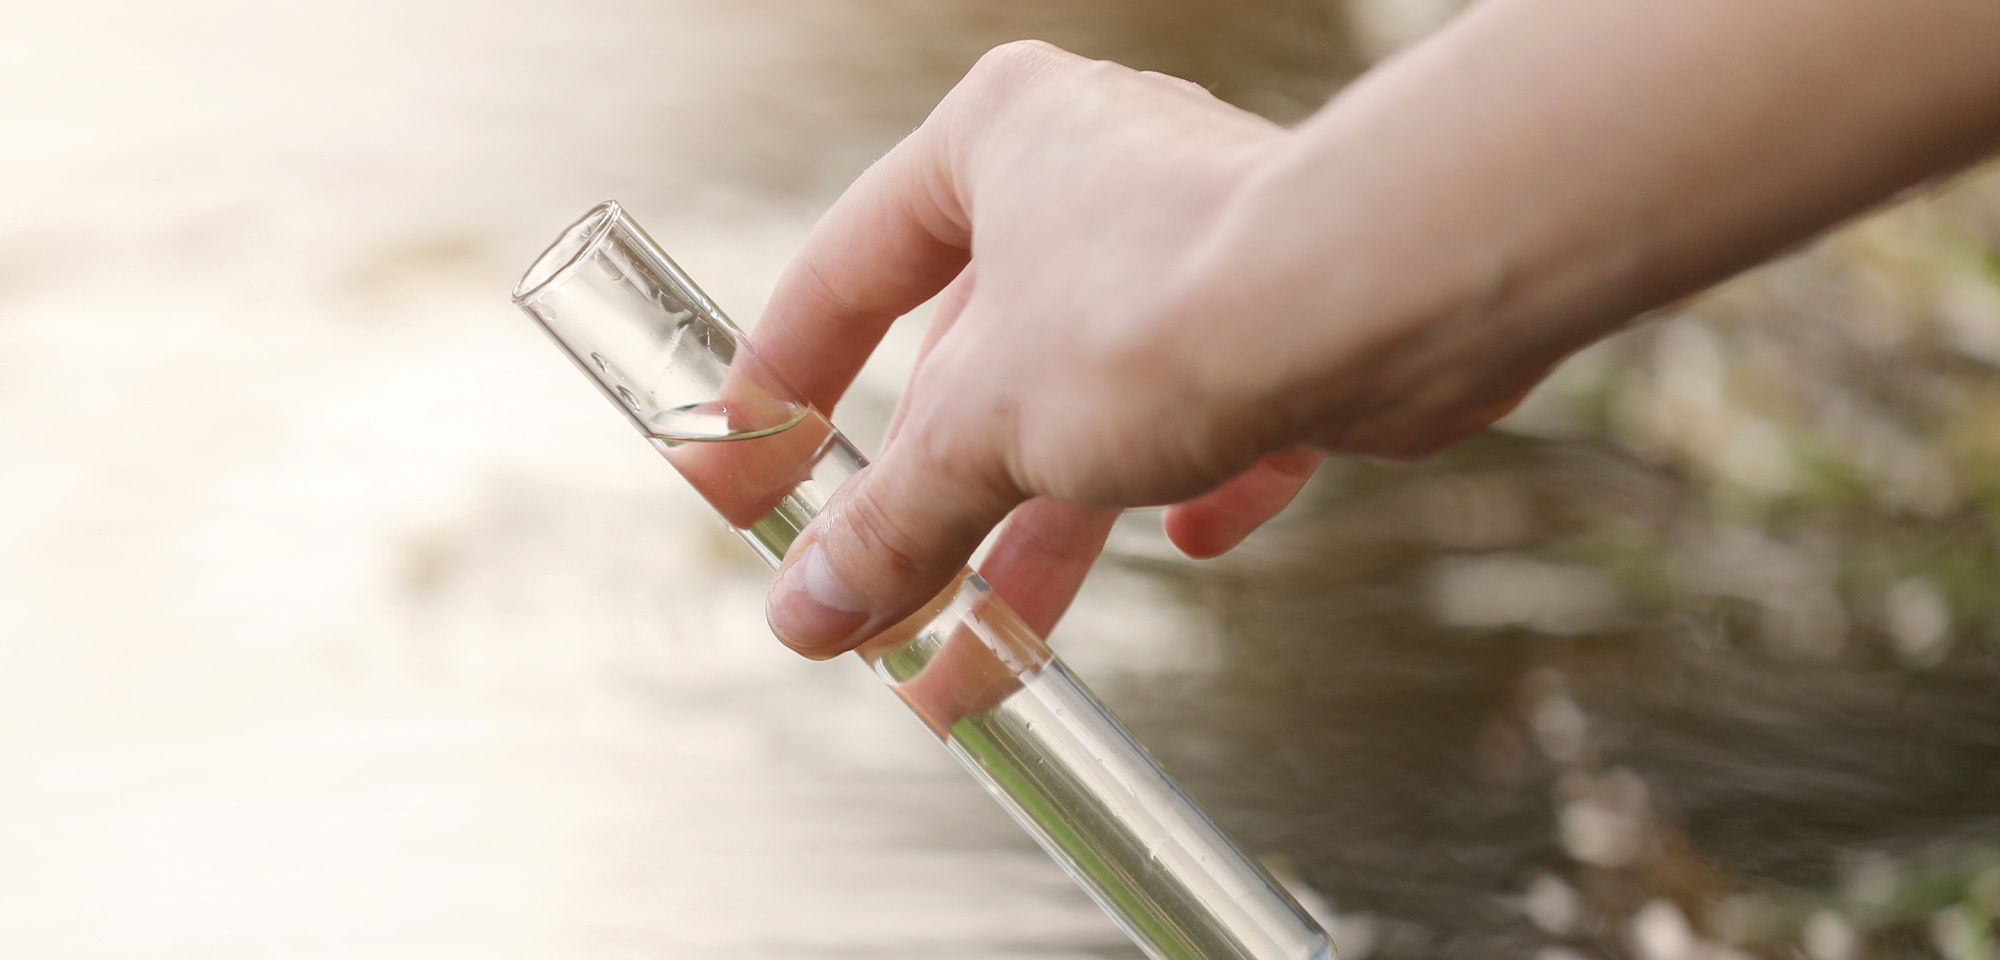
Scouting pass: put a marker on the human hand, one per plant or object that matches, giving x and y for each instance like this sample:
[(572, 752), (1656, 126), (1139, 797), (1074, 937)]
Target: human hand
[(1150, 297), (1071, 212)]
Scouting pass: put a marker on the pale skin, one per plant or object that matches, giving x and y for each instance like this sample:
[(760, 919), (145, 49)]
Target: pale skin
[(1146, 296)]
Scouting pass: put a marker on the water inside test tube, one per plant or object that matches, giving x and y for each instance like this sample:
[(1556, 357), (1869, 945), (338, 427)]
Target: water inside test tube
[(716, 420), (1015, 716)]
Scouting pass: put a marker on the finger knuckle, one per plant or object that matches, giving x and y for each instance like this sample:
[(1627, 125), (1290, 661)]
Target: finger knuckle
[(1016, 65), (1179, 83), (971, 452), (1020, 55), (874, 530), (1054, 536), (812, 281)]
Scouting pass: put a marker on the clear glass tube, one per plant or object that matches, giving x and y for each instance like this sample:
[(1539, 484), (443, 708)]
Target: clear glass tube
[(1039, 742)]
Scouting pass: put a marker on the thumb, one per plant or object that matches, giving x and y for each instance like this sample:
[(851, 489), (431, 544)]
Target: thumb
[(890, 541)]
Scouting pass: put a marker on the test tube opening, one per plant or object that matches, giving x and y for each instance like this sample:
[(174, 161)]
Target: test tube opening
[(570, 249), (635, 324)]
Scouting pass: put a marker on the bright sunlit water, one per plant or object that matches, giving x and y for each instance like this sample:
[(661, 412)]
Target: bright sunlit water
[(338, 617)]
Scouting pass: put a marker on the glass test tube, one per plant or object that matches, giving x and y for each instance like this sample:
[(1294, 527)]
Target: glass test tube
[(1039, 742)]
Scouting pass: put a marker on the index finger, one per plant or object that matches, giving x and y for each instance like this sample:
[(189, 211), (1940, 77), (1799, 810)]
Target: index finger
[(894, 239)]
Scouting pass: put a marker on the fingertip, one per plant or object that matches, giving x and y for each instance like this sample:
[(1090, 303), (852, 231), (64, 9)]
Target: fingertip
[(811, 610), (1192, 531), (1219, 521), (891, 541)]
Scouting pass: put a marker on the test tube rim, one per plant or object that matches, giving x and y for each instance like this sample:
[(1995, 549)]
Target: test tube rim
[(606, 216)]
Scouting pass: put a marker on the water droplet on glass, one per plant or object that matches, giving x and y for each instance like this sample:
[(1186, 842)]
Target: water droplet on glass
[(630, 400), (600, 363)]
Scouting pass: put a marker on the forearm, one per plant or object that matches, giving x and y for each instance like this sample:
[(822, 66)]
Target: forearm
[(1542, 170), (1159, 293)]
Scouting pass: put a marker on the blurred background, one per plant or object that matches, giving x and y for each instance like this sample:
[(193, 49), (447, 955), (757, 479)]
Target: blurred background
[(339, 617)]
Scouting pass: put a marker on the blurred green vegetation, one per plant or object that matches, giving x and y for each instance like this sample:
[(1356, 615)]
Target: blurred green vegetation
[(1696, 656)]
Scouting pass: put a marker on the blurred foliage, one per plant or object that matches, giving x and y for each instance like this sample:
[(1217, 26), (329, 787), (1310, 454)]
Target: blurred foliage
[(1697, 656)]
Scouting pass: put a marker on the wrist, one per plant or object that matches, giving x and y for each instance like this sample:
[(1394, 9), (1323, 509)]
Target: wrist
[(1343, 307)]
